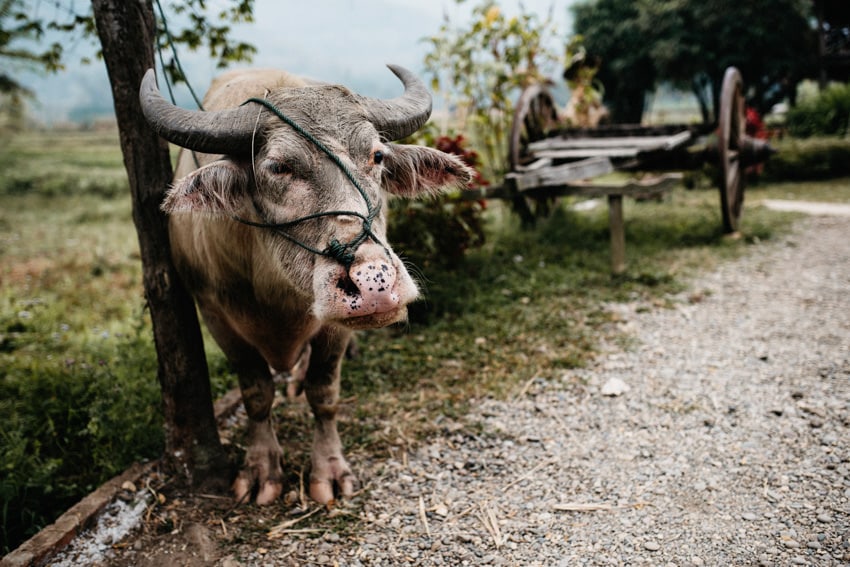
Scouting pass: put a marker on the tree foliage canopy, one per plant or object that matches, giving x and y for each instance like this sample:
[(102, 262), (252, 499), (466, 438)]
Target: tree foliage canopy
[(196, 24), (17, 28), (482, 67), (689, 43)]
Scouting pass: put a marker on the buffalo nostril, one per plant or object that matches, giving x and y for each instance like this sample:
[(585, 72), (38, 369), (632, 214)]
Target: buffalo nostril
[(347, 286)]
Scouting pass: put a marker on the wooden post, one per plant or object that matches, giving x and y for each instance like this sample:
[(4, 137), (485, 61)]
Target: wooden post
[(618, 234), (127, 34), (520, 204)]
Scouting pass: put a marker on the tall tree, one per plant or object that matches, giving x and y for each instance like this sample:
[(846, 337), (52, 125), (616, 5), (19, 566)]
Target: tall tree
[(614, 31), (689, 43), (128, 31)]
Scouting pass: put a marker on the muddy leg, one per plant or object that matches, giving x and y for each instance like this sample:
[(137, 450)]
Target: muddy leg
[(262, 467), (329, 467)]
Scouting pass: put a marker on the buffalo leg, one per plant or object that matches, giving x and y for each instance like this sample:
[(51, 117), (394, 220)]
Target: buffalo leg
[(262, 467), (329, 467), (263, 458)]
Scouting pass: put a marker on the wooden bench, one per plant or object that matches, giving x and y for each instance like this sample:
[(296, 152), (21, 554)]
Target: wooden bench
[(542, 179)]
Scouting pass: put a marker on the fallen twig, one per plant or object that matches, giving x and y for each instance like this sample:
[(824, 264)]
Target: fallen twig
[(593, 507), (509, 485), (581, 507), (282, 528), (423, 517), (491, 524)]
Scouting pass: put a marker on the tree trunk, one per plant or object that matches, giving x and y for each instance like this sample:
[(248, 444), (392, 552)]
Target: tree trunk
[(127, 33)]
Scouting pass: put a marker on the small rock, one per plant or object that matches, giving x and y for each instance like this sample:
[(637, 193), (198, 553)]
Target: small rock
[(614, 387), (126, 496), (772, 495), (201, 541), (824, 518), (829, 439), (750, 516), (652, 546)]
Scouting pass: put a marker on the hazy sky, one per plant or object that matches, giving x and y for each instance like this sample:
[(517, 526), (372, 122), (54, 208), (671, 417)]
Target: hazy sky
[(343, 41)]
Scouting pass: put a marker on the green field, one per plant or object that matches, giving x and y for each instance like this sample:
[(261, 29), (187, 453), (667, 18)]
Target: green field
[(79, 398)]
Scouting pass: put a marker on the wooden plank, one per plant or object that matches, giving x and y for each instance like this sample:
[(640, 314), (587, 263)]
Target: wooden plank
[(617, 228), (621, 130), (647, 186), (650, 186), (540, 163), (587, 153), (560, 174), (643, 143)]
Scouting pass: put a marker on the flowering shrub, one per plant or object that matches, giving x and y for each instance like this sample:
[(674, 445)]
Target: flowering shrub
[(482, 65), (755, 128)]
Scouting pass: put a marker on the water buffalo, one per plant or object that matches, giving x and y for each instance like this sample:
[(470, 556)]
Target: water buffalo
[(278, 228)]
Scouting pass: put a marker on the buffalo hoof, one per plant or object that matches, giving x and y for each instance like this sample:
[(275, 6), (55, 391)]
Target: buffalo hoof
[(332, 473), (268, 492), (262, 470)]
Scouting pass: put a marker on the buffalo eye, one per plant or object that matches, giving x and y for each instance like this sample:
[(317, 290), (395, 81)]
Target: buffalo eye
[(279, 168), (378, 157)]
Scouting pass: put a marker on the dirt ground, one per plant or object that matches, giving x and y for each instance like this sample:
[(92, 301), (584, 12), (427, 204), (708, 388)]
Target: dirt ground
[(721, 437)]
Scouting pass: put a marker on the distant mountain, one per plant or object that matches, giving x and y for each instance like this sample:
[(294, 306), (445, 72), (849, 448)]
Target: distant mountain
[(349, 43)]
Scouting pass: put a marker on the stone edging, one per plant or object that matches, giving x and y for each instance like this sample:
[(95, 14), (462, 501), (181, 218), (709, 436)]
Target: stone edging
[(39, 548), (51, 540)]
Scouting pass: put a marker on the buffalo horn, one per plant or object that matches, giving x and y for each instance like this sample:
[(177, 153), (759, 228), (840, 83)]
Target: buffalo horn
[(226, 131), (400, 117), (229, 131)]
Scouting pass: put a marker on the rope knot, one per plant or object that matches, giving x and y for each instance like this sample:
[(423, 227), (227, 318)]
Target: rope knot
[(339, 252), (342, 253)]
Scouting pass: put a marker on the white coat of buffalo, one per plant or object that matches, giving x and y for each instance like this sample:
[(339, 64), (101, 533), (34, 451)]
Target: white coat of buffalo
[(270, 292)]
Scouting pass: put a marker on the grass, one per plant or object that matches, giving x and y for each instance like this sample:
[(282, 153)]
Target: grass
[(79, 399)]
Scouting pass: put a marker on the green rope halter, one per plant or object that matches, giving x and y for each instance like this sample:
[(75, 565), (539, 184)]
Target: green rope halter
[(339, 251)]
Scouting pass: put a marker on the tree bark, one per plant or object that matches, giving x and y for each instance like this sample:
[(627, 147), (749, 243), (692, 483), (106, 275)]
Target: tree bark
[(127, 31)]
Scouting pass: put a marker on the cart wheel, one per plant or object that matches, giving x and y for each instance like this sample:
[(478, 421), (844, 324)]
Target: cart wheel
[(731, 131), (534, 116)]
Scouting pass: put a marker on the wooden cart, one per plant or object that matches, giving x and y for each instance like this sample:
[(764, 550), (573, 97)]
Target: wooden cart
[(548, 161)]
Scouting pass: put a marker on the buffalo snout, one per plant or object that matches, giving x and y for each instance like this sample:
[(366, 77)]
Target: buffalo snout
[(369, 288)]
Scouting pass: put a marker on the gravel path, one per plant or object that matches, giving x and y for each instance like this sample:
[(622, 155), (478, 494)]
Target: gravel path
[(719, 436)]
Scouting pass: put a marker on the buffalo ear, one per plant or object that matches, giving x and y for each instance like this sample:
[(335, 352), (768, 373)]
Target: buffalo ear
[(216, 188), (411, 171)]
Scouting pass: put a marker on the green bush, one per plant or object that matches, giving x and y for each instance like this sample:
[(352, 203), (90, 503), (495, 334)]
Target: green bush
[(54, 184), (69, 424), (809, 159), (826, 114)]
